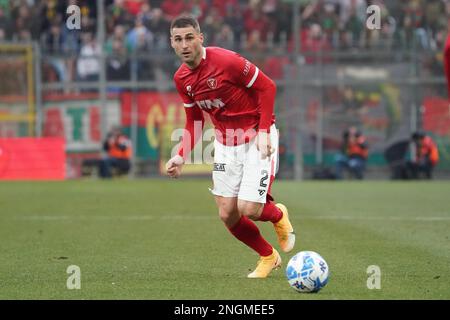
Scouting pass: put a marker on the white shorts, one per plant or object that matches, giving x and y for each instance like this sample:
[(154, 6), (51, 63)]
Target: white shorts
[(240, 172)]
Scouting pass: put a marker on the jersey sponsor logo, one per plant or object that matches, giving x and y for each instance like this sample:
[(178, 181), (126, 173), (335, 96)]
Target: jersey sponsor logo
[(209, 104), (212, 83), (219, 167)]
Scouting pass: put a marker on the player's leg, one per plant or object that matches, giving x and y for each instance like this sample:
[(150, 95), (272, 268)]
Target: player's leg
[(268, 260), (241, 227), (254, 196), (227, 175), (228, 211)]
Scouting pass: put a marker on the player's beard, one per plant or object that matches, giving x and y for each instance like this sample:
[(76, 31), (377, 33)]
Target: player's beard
[(191, 58)]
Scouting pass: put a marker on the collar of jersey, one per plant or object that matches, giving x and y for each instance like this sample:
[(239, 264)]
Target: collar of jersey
[(204, 53)]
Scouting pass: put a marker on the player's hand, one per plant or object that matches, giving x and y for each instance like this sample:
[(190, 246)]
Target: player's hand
[(173, 166), (263, 144)]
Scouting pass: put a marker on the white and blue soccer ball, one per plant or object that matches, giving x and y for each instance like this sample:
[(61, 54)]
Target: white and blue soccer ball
[(307, 271)]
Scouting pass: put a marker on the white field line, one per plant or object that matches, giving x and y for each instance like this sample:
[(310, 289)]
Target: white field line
[(214, 217)]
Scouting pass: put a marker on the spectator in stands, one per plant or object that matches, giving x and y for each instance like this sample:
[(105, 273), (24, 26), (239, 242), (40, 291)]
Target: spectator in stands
[(173, 8), (118, 150), (316, 45), (88, 65), (197, 9), (53, 40), (117, 36), (255, 21), (425, 156), (158, 26), (134, 6), (212, 25), (283, 22), (117, 14), (232, 16), (255, 48), (53, 45), (353, 29), (145, 13), (225, 38), (5, 22), (353, 154), (139, 35), (326, 25), (23, 18), (224, 7), (340, 20), (413, 24), (329, 21), (118, 63), (144, 66)]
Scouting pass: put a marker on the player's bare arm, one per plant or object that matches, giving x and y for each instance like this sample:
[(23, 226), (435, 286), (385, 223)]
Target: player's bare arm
[(174, 165), (263, 144), (266, 91)]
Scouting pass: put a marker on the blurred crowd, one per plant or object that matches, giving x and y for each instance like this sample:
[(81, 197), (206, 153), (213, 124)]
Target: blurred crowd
[(140, 27)]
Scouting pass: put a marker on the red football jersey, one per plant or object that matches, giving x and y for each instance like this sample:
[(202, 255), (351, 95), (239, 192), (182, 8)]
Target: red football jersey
[(234, 92)]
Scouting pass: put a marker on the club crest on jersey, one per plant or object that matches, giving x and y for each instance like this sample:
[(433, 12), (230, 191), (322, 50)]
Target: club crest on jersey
[(212, 83)]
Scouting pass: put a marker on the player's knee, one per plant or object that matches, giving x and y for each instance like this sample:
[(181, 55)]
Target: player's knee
[(227, 210), (224, 214), (229, 217), (250, 209)]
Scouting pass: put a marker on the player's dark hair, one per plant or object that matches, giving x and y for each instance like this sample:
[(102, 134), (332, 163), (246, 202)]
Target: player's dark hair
[(185, 21)]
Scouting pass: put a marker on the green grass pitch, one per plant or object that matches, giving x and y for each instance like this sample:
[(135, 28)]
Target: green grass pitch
[(161, 239)]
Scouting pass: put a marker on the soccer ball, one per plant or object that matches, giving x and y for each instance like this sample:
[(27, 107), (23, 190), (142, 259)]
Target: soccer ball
[(307, 271)]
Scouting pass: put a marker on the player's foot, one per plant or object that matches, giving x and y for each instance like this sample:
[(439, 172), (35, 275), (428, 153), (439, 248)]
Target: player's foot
[(284, 230), (266, 265)]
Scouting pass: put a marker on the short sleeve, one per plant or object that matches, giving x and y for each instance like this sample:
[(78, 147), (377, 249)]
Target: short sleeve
[(187, 101), (241, 71)]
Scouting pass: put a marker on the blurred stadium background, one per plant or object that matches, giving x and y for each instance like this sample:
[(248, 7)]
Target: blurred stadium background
[(331, 72)]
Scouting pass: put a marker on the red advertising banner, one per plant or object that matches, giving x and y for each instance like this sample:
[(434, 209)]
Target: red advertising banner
[(436, 116), (32, 159)]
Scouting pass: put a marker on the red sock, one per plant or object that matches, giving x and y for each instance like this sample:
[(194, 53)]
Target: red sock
[(271, 213), (246, 231)]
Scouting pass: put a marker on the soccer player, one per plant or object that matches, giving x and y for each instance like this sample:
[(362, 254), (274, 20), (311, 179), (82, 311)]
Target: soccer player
[(239, 98)]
